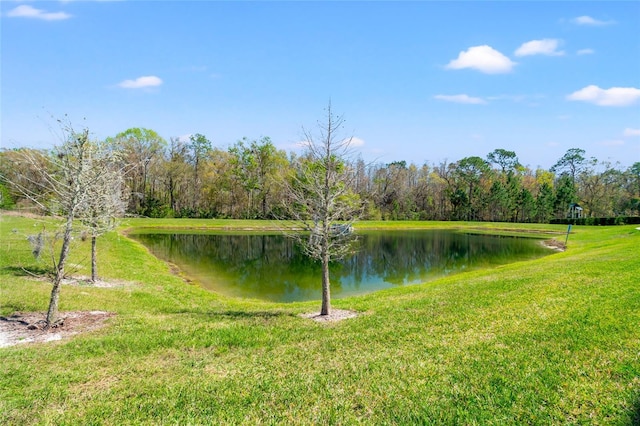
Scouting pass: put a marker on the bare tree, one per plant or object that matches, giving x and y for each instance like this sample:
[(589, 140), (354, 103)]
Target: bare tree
[(321, 198), (105, 202), (72, 183)]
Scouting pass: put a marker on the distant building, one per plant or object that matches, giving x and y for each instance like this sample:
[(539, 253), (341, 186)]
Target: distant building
[(575, 211)]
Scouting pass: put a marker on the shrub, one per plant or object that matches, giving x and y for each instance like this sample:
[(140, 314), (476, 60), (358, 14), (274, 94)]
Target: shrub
[(599, 221)]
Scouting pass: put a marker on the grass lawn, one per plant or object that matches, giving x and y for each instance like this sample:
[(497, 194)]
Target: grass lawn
[(550, 341)]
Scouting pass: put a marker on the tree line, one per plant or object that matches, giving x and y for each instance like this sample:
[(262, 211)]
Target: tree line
[(324, 190), (251, 180)]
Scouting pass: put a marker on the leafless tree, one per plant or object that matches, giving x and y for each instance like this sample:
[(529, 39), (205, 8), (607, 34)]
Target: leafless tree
[(76, 182), (321, 199), (105, 202)]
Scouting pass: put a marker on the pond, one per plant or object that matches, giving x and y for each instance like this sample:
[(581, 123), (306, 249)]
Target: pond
[(271, 267)]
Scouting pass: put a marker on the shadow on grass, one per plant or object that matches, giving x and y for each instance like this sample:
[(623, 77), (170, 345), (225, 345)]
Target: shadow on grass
[(13, 308), (635, 415), (30, 271), (249, 314), (229, 314)]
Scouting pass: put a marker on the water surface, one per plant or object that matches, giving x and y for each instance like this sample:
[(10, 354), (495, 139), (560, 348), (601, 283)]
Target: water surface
[(272, 267)]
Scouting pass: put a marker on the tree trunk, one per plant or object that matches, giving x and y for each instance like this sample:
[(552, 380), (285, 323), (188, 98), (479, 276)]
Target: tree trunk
[(196, 185), (264, 206), (172, 197), (52, 312), (326, 285), (94, 259)]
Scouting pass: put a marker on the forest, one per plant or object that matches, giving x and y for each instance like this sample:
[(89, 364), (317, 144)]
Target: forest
[(194, 179)]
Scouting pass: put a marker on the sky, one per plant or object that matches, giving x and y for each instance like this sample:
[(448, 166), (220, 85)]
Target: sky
[(421, 81)]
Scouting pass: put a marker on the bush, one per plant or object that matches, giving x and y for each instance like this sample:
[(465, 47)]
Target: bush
[(599, 221)]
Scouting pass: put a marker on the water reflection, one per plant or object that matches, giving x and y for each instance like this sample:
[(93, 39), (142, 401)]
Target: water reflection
[(271, 267)]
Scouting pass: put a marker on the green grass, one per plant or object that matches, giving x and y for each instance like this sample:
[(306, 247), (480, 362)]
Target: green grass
[(550, 341)]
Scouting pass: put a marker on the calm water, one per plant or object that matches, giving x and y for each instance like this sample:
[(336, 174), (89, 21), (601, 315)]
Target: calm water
[(271, 267)]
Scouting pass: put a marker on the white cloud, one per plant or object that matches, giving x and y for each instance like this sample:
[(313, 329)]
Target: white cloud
[(141, 82), (585, 52), (461, 99), (631, 132), (615, 96), (185, 138), (482, 58), (353, 142), (26, 11), (588, 20), (547, 46)]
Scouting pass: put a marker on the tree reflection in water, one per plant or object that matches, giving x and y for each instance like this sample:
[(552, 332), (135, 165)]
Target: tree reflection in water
[(271, 267)]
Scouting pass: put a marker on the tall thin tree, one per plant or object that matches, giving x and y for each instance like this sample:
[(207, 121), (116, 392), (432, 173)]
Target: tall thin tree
[(64, 186), (105, 202), (321, 198)]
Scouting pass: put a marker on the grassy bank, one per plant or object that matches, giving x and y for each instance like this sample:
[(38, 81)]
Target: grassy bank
[(550, 341)]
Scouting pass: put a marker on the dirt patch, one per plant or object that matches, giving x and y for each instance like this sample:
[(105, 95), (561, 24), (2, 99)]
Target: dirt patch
[(27, 327), (515, 230), (335, 315), (84, 281), (555, 245)]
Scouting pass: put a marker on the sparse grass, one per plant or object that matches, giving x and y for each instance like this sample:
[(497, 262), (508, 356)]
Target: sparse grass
[(550, 341)]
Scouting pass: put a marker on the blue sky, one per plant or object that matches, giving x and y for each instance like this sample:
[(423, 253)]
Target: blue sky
[(415, 81)]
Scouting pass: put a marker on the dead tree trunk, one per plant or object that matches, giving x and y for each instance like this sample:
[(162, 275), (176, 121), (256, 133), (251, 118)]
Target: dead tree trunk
[(94, 259), (326, 284), (52, 312)]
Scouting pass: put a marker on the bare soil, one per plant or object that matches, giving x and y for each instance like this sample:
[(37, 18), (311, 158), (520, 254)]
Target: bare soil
[(555, 245), (335, 315), (84, 281), (28, 327)]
